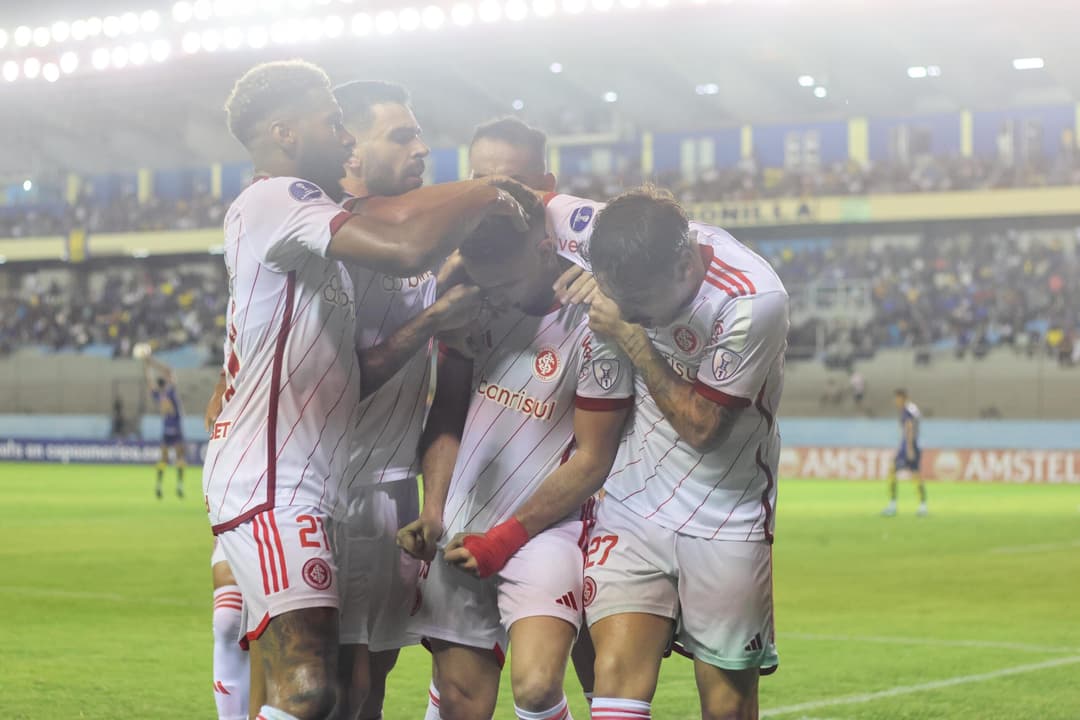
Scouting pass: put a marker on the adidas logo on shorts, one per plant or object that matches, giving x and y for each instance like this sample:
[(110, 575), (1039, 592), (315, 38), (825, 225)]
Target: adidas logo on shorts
[(567, 600), (755, 644)]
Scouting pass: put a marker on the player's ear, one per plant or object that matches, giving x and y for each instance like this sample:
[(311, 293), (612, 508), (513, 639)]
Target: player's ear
[(547, 248), (283, 134), (549, 183)]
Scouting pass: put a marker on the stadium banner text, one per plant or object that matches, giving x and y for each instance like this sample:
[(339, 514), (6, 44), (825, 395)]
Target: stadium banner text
[(1054, 467), (107, 452)]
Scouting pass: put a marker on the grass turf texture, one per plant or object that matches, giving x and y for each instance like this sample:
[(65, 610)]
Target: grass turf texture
[(105, 604)]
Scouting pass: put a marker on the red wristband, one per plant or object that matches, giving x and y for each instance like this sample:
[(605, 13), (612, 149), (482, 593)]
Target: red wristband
[(494, 548)]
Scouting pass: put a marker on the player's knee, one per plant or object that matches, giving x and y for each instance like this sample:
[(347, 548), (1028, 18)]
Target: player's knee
[(308, 692), (728, 706), (537, 689), (619, 675), (462, 701)]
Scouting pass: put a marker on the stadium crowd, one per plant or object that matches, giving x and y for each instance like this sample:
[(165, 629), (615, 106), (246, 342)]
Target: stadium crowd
[(745, 182), (967, 295), (168, 307)]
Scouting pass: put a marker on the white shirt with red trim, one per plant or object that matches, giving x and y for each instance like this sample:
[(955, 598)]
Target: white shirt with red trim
[(730, 342), (390, 421), (283, 436), (528, 377)]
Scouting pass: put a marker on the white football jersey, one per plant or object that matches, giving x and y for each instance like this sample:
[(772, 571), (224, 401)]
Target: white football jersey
[(293, 378), (528, 376), (390, 421), (730, 343)]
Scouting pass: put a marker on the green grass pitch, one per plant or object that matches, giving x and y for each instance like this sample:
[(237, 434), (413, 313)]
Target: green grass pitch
[(971, 613)]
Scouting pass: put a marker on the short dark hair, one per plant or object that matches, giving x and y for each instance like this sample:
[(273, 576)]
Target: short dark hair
[(900, 392), (359, 98), (514, 131), (638, 234), (496, 237), (268, 88)]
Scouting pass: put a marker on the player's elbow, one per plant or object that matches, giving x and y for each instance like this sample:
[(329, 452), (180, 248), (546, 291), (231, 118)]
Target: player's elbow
[(408, 260)]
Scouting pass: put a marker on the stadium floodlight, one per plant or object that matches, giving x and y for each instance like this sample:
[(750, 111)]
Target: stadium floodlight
[(111, 26), (41, 36), (283, 33), (361, 24), (311, 30), (820, 92), (603, 5), (69, 62), (138, 53), (191, 43), (555, 68), (1029, 63), (489, 11), (129, 23), (257, 37), (150, 21), (386, 22), (100, 59), (611, 96), (433, 17), (11, 71), (516, 10), (94, 26), (806, 81), (119, 57), (409, 19), (573, 7), (23, 36), (544, 8), (78, 30), (933, 70), (462, 14), (917, 72), (160, 50), (50, 72), (182, 11), (233, 38), (60, 31), (333, 26), (31, 68), (210, 40), (202, 9), (707, 89), (518, 105), (27, 185)]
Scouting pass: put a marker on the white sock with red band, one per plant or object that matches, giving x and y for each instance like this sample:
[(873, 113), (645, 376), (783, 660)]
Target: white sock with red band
[(269, 713), (432, 704), (620, 709), (558, 712), (231, 667)]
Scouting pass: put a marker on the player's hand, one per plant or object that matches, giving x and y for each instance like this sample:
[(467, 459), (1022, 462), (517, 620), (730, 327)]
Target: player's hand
[(420, 538), (458, 307), (213, 409), (505, 204), (606, 320), (576, 286), (451, 273), (459, 556)]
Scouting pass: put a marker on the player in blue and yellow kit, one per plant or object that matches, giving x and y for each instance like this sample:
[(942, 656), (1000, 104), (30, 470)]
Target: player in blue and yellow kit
[(167, 399), (909, 454)]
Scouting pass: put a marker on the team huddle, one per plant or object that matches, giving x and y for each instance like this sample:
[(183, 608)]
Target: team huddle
[(598, 462)]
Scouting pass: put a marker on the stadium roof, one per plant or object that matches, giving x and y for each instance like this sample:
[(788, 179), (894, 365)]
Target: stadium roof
[(688, 64)]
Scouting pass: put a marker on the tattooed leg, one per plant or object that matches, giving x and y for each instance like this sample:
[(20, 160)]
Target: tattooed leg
[(299, 652)]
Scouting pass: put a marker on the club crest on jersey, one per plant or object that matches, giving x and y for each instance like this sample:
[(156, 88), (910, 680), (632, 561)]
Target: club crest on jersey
[(304, 191), (546, 365), (606, 372), (588, 591), (581, 217), (317, 574), (725, 364), (685, 339)]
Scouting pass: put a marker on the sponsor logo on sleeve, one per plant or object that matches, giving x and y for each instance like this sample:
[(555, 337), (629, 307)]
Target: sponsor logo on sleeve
[(304, 191), (606, 372), (581, 217), (725, 364), (546, 364)]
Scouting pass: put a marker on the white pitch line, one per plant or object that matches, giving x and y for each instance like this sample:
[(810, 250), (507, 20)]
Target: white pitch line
[(110, 597), (921, 687), (887, 640), (1042, 547)]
